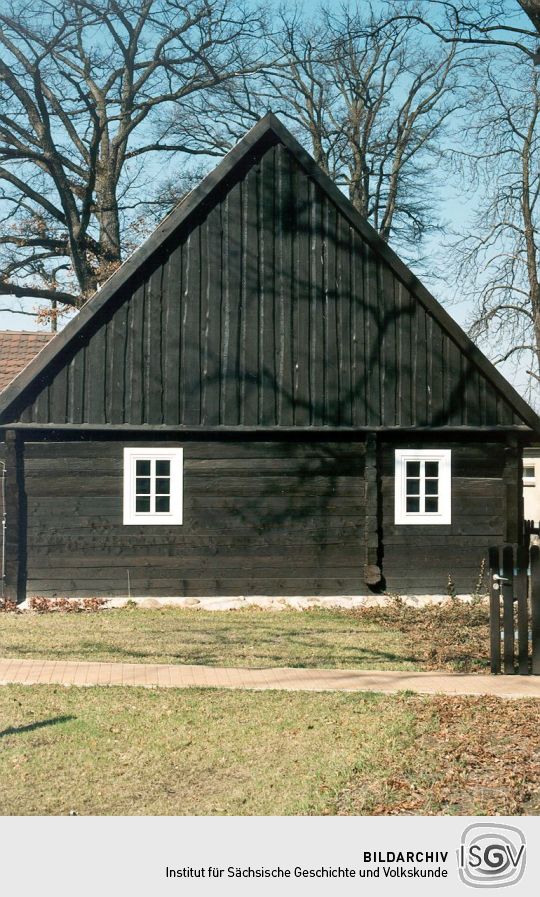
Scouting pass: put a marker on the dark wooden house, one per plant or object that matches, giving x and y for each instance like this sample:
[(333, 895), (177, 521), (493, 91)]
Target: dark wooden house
[(263, 400)]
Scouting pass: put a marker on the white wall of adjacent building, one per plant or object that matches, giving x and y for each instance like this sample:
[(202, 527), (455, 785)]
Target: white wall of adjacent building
[(531, 484)]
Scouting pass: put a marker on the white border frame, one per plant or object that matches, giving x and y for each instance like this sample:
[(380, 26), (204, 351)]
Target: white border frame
[(444, 514), (529, 481), (175, 515)]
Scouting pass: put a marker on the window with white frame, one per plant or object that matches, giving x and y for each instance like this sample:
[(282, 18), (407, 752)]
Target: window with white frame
[(529, 478), (153, 486), (423, 486)]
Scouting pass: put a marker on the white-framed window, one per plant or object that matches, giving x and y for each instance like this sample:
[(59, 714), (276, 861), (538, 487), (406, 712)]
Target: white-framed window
[(529, 478), (423, 486), (153, 486)]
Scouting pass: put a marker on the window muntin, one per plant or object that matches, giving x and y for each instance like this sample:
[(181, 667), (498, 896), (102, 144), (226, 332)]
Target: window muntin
[(422, 486), (153, 486)]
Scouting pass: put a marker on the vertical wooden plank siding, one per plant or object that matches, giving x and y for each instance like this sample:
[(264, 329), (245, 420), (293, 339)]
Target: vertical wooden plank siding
[(521, 586), (153, 348), (266, 308), (494, 611), (513, 490), (535, 609), (316, 328), (135, 392), (508, 608), (267, 360), (301, 304), (345, 336), (286, 228), (117, 386), (358, 384), (249, 336), (95, 379), (190, 381), (172, 311)]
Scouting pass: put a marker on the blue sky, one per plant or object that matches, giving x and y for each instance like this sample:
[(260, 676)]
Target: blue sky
[(456, 211)]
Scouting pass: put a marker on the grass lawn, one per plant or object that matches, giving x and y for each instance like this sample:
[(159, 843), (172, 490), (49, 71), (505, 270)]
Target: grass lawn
[(115, 751), (396, 637)]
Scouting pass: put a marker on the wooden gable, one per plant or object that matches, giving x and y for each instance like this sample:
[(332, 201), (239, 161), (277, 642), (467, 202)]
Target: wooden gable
[(264, 301)]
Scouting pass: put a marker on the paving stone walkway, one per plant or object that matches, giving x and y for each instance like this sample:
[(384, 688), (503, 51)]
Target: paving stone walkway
[(73, 672)]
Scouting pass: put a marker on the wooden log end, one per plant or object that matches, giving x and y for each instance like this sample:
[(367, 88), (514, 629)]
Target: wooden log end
[(372, 574)]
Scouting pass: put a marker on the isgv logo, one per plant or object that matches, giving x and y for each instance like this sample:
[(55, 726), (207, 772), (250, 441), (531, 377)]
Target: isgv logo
[(491, 855)]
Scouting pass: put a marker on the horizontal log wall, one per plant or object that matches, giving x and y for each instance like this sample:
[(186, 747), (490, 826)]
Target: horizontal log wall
[(265, 518), (419, 559)]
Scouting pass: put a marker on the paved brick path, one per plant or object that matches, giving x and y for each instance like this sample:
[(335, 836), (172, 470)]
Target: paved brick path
[(73, 672)]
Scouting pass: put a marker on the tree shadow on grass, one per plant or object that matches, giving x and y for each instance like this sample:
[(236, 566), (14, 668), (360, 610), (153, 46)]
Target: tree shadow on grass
[(228, 646), (31, 727)]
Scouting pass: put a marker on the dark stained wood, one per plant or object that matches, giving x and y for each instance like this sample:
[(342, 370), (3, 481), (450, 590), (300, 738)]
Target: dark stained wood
[(358, 387), (270, 298), (535, 609), (118, 345), (352, 432), (172, 312), (301, 301), (371, 526), (521, 597), (259, 518), (494, 611), (249, 335), (267, 351), (421, 383), (286, 224), (418, 559), (436, 369), (513, 490), (154, 346), (190, 378), (15, 511), (134, 381), (507, 589)]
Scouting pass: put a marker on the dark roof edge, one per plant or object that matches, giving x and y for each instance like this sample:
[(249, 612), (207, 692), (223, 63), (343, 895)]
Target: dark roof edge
[(268, 124)]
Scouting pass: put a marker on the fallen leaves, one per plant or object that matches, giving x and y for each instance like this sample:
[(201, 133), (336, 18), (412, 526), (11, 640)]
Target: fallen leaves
[(453, 635), (480, 756)]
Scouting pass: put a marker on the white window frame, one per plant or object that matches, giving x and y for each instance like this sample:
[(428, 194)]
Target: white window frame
[(153, 518), (444, 514), (529, 481)]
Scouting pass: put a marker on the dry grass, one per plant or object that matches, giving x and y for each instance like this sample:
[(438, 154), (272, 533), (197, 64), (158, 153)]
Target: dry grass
[(474, 756), (449, 636), (116, 751), (453, 636)]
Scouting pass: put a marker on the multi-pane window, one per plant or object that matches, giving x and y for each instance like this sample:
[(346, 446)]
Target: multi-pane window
[(423, 486), (153, 486)]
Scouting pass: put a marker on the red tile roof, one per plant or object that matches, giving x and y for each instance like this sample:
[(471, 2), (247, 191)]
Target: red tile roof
[(17, 348)]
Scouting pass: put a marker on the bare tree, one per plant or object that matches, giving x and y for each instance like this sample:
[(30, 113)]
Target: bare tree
[(477, 23), (498, 260), (84, 89), (366, 94)]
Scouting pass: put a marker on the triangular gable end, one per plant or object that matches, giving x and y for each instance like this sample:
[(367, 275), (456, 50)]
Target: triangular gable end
[(264, 300)]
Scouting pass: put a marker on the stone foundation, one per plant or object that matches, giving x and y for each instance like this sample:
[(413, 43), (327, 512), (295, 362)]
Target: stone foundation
[(298, 602)]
